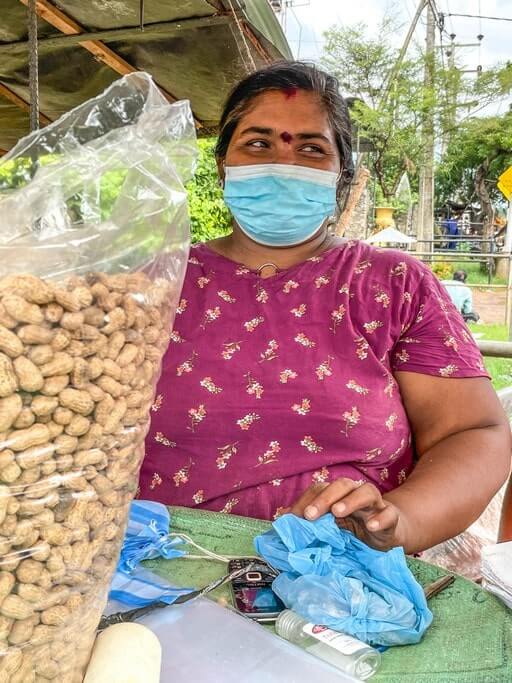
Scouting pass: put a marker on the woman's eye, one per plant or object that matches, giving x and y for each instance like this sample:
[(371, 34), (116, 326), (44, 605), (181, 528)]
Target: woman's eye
[(258, 144), (312, 148)]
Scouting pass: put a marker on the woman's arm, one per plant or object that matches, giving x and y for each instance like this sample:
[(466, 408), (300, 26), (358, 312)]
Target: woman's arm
[(463, 442)]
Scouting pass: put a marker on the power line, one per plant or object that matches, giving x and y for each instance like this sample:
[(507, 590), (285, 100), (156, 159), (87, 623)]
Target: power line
[(479, 16)]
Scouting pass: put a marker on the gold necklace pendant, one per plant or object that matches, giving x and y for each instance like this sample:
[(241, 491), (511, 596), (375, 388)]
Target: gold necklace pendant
[(260, 270)]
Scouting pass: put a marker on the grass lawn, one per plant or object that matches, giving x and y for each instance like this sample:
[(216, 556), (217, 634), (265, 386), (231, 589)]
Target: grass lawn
[(500, 369), (476, 276)]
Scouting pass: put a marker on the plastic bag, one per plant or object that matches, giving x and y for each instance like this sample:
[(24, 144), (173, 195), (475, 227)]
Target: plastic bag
[(147, 536), (330, 577), (497, 570), (462, 554), (94, 243)]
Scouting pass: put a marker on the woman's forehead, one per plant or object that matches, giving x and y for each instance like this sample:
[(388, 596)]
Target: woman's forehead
[(286, 109)]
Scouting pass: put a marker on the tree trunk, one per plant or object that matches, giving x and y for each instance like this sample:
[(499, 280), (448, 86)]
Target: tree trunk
[(485, 201), (358, 187)]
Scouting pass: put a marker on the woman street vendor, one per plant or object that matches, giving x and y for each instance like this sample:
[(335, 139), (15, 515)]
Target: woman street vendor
[(312, 374)]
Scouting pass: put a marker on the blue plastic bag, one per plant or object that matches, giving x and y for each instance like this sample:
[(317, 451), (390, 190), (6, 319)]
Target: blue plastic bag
[(330, 577), (147, 536)]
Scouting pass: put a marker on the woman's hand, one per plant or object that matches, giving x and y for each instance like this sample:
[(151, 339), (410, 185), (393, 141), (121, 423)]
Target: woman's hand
[(358, 508)]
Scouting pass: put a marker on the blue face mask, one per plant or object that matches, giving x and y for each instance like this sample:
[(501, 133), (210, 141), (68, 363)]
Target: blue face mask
[(280, 205)]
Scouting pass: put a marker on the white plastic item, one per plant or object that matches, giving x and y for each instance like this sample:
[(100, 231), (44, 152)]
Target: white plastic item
[(339, 649), (125, 653), (202, 641)]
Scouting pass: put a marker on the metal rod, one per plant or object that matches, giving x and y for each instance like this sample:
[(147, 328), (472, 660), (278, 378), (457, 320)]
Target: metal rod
[(495, 349), (33, 67)]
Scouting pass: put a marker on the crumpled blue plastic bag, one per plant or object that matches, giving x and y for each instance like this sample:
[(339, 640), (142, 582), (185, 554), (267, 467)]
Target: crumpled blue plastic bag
[(147, 536), (330, 577)]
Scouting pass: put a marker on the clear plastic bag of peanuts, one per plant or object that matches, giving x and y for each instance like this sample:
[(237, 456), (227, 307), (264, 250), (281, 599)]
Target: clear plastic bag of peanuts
[(94, 238)]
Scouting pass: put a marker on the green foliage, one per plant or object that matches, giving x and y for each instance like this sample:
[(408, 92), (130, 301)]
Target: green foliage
[(365, 65), (475, 142), (209, 216)]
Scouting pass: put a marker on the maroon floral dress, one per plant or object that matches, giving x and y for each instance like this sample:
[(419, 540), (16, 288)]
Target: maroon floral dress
[(270, 385)]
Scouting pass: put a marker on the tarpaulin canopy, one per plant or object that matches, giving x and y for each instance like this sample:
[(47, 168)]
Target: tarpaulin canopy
[(194, 49)]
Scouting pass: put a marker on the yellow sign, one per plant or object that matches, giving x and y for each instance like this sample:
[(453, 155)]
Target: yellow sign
[(505, 183)]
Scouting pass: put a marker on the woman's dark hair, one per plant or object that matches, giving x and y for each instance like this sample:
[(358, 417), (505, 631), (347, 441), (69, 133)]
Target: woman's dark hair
[(289, 76)]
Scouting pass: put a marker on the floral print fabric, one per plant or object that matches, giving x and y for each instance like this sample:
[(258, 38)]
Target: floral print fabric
[(270, 385)]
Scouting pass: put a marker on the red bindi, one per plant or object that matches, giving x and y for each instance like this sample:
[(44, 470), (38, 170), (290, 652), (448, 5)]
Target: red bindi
[(286, 137), (290, 92)]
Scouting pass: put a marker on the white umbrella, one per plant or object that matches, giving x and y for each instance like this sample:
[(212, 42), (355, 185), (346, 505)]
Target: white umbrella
[(390, 236)]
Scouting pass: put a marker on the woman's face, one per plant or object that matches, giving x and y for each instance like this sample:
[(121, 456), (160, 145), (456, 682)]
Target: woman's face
[(285, 127)]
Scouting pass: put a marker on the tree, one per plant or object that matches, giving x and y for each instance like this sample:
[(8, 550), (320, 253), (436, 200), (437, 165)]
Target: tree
[(363, 66), (478, 152), (209, 217)]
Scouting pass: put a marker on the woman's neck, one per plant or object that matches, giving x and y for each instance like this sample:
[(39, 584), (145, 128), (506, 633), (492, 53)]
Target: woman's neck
[(238, 247)]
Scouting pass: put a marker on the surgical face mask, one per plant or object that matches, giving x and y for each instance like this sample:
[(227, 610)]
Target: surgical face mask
[(280, 205)]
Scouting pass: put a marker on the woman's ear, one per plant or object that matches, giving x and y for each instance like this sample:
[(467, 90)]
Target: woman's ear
[(221, 164)]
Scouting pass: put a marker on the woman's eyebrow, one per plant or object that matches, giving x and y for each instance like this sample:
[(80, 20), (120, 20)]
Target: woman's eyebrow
[(309, 136), (259, 130)]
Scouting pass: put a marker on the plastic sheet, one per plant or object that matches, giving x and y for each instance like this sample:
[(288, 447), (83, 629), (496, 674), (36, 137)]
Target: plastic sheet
[(462, 554), (330, 577), (94, 242)]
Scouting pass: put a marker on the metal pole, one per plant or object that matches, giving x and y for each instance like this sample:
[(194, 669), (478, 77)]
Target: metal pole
[(507, 249), (33, 72), (495, 349), (508, 235), (508, 312)]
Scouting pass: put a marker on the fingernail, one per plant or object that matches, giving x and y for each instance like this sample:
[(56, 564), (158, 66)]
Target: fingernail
[(373, 526), (339, 508), (311, 512)]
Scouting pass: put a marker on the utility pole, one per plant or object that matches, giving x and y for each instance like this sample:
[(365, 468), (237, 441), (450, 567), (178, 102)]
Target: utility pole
[(425, 224), (453, 85), (396, 68)]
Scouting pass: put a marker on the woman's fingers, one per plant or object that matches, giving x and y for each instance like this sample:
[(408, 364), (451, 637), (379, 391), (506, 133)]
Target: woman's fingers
[(331, 494), (365, 498), (383, 520), (309, 495)]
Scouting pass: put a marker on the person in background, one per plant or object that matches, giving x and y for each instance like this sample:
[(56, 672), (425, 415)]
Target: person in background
[(461, 296), (451, 229)]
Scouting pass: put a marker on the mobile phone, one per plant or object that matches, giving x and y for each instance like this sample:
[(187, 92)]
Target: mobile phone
[(252, 591)]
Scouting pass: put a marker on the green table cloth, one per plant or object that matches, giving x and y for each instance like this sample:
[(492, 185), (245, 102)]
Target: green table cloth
[(470, 640)]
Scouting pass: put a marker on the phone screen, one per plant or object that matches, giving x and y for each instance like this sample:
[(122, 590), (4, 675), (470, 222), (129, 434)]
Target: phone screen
[(252, 592), (257, 601)]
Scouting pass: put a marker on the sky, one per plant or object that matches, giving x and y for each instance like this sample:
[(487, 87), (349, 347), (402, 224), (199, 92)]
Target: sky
[(306, 20)]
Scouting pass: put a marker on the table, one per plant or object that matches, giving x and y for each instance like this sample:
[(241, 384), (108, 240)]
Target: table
[(470, 640)]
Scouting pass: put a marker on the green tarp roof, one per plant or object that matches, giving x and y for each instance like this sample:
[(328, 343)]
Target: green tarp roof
[(194, 49)]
